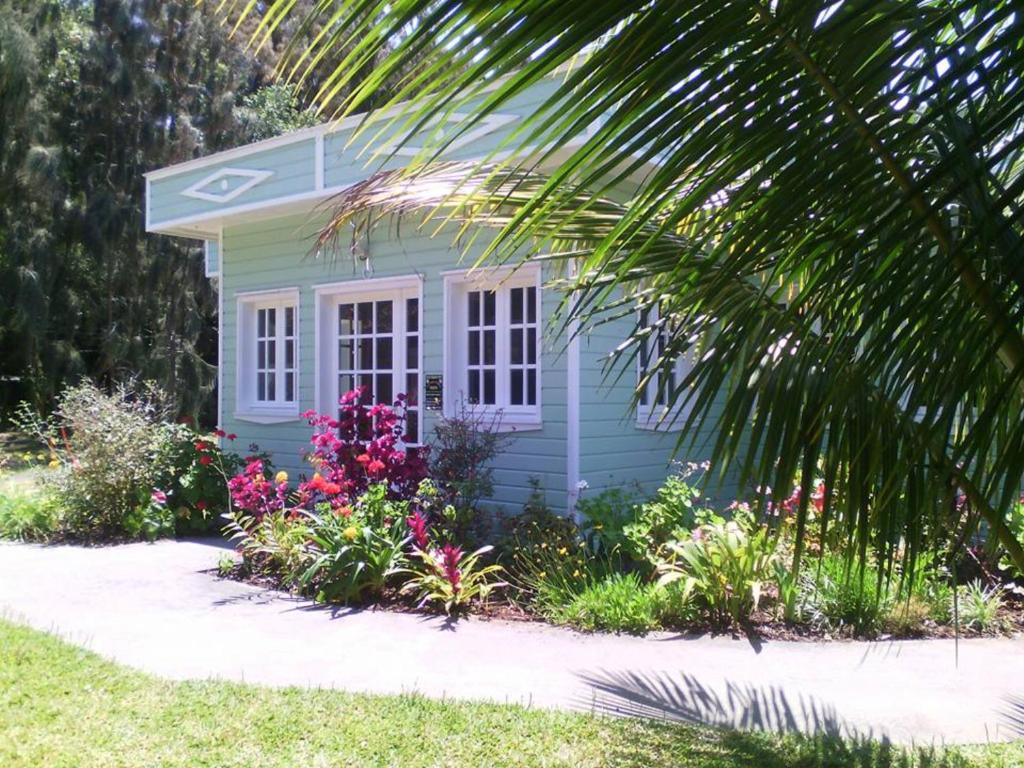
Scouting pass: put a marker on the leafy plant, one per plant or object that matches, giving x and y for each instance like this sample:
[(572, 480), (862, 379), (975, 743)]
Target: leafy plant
[(277, 542), (451, 578), (28, 516), (604, 518), (462, 452), (837, 594), (669, 516), (356, 550), (980, 606), (620, 602), (727, 564)]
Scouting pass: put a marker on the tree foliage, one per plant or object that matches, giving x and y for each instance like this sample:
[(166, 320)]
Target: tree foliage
[(827, 209)]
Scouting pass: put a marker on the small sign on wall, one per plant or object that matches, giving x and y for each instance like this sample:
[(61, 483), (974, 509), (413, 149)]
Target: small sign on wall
[(433, 394)]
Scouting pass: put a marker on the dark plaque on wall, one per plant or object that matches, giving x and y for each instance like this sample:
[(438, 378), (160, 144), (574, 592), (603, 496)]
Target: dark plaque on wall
[(434, 392)]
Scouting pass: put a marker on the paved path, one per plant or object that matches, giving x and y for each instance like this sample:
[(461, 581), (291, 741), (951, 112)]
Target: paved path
[(155, 607)]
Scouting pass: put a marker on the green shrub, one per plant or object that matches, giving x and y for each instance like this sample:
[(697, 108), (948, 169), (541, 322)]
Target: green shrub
[(604, 518), (725, 563), (27, 516), (277, 543), (980, 606), (837, 594), (451, 578), (620, 602), (669, 516)]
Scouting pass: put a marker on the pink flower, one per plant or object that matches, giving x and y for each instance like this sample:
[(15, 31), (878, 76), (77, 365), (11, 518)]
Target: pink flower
[(418, 527), (450, 557), (159, 497)]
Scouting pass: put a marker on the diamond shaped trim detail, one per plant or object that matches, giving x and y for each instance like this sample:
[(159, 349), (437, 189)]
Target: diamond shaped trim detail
[(218, 187)]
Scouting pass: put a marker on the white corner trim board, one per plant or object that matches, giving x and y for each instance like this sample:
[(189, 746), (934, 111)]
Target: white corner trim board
[(225, 191)]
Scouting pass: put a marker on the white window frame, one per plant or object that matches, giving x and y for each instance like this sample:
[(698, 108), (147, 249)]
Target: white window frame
[(247, 407), (651, 415), (457, 285), (327, 299)]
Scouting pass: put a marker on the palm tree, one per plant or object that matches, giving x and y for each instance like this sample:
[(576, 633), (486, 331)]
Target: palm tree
[(833, 227)]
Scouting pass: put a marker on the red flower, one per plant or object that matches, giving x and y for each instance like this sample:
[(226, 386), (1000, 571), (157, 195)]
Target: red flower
[(450, 557), (418, 527), (220, 433), (332, 489), (363, 458), (343, 511), (206, 459), (201, 505), (200, 445), (232, 436), (375, 467)]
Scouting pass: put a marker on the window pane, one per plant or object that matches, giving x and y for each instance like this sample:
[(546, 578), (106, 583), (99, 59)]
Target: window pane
[(271, 322), (516, 346), (289, 353), (531, 386), (474, 386), (365, 357), (271, 387), (364, 315), (489, 353), (489, 308), (261, 322), (516, 305), (474, 308), (261, 354), (531, 305), (489, 396), (289, 387), (366, 380), (412, 315), (289, 321), (474, 347), (271, 354), (412, 427), (346, 355), (346, 383), (516, 381), (346, 314), (531, 346), (385, 390), (261, 386), (412, 389), (384, 349), (384, 316), (412, 353)]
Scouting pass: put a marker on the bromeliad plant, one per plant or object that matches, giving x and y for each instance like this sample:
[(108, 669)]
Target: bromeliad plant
[(448, 577)]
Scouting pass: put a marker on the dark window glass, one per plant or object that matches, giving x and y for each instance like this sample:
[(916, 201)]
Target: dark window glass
[(289, 386), (474, 347), (516, 381), (384, 349), (531, 346), (489, 347), (261, 386), (346, 355), (516, 306), (385, 316), (412, 315), (289, 353), (271, 322), (289, 321), (489, 396), (345, 317), (474, 308), (366, 380), (261, 322), (412, 389), (346, 383), (474, 386), (412, 427), (271, 387), (516, 346), (261, 354), (412, 353), (489, 308), (271, 354), (365, 359), (531, 305), (385, 390), (364, 313), (531, 386)]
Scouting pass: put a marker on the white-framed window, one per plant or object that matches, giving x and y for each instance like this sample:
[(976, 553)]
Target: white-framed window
[(267, 385), (369, 335), (652, 411), (493, 344)]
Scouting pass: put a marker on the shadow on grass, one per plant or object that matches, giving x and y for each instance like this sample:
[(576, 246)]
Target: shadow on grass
[(812, 733)]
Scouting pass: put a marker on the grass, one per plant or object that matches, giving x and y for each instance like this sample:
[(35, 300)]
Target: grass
[(64, 706)]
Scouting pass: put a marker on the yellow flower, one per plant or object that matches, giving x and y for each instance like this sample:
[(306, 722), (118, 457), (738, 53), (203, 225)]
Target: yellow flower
[(281, 477), (563, 551), (544, 545), (350, 533), (576, 573), (542, 575), (54, 464), (40, 456)]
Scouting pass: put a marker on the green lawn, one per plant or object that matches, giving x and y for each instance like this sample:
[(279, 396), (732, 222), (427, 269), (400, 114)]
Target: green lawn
[(63, 706)]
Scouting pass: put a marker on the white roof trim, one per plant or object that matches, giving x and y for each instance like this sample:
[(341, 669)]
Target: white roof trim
[(226, 195)]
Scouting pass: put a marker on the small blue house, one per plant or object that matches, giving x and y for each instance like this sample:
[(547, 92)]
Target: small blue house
[(399, 314)]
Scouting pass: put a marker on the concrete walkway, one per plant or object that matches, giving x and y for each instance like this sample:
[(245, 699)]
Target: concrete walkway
[(157, 608)]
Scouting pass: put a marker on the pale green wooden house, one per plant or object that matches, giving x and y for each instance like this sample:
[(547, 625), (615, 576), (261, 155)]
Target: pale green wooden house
[(401, 313)]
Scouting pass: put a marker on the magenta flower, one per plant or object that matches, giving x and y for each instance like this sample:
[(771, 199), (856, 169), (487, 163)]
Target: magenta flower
[(450, 557), (418, 527)]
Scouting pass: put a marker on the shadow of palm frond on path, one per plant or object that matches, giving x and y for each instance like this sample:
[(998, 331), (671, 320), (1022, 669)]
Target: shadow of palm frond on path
[(1012, 716)]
